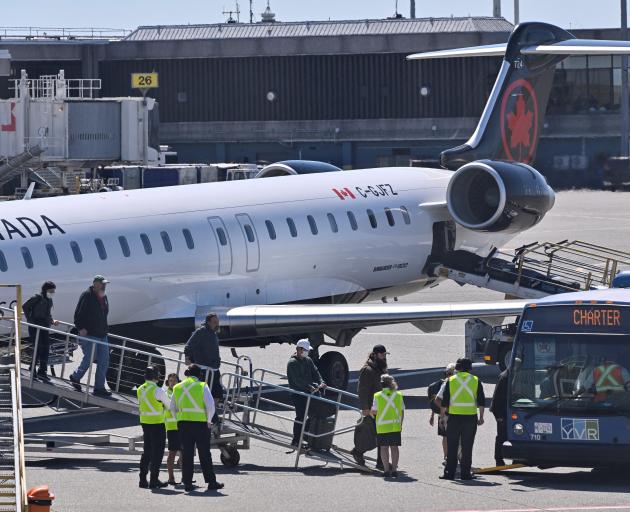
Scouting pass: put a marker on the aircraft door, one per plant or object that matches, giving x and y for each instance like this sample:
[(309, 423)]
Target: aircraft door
[(252, 248), (224, 244)]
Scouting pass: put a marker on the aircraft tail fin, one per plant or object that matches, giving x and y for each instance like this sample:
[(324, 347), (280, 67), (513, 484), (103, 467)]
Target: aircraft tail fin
[(511, 122)]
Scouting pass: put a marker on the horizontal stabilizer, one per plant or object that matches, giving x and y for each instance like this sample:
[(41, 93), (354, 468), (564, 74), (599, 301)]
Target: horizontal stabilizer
[(489, 50), (568, 47), (579, 47)]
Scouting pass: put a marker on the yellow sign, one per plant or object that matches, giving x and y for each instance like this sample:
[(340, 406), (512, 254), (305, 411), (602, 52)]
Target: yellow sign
[(144, 80)]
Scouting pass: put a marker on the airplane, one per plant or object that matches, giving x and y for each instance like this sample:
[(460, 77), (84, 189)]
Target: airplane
[(299, 255)]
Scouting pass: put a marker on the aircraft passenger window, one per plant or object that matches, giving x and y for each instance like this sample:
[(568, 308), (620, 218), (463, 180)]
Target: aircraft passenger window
[(312, 224), (222, 237), (166, 240), (292, 227), (52, 254), (146, 243), (124, 246), (405, 214), (100, 247), (28, 259), (353, 221), (249, 233), (390, 217), (3, 262), (372, 218), (76, 251), (333, 223), (190, 243), (270, 229)]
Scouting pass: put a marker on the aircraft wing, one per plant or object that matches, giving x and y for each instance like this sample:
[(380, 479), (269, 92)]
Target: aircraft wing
[(299, 318)]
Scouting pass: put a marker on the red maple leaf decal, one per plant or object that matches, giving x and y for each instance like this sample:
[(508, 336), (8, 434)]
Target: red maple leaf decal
[(520, 124)]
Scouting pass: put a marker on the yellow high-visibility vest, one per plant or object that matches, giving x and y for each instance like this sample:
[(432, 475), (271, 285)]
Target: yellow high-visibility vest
[(189, 399), (151, 409), (463, 389), (389, 411), (169, 419)]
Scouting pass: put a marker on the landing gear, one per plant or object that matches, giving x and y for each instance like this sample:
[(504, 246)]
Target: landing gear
[(230, 457), (333, 367)]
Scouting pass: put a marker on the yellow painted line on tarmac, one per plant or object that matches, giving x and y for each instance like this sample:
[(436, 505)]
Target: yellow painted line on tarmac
[(496, 469)]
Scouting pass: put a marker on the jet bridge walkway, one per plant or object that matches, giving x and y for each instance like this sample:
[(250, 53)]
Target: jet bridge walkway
[(246, 412), (538, 269)]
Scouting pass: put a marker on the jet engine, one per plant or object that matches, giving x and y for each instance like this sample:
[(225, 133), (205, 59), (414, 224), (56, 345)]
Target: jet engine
[(493, 196), (294, 167)]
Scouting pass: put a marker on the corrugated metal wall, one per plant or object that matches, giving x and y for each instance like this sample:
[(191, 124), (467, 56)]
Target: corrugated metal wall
[(309, 87)]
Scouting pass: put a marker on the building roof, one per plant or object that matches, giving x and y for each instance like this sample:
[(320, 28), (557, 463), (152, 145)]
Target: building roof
[(320, 29)]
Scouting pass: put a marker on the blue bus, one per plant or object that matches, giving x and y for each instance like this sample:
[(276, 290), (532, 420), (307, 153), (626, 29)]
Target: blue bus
[(569, 382)]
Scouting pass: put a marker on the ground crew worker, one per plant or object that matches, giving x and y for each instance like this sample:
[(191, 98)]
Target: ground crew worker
[(498, 408), (602, 380), (152, 401), (389, 411), (172, 433), (194, 408), (432, 392), (461, 395)]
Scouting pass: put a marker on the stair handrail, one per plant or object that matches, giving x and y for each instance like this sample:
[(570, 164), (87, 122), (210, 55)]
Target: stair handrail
[(16, 403)]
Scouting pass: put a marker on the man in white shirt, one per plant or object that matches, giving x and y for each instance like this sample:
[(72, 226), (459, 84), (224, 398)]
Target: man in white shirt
[(193, 407)]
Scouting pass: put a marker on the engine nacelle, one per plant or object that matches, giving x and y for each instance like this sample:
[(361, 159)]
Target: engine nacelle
[(294, 167), (492, 196)]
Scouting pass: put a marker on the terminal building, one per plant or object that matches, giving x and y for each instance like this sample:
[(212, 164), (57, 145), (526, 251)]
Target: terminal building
[(336, 91)]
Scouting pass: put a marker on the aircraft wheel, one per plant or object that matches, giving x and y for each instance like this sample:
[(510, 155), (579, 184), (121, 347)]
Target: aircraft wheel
[(230, 457), (333, 367)]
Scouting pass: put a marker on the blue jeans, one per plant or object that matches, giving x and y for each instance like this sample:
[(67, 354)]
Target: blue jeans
[(101, 358)]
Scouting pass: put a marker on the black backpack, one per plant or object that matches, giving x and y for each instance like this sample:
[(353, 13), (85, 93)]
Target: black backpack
[(432, 392)]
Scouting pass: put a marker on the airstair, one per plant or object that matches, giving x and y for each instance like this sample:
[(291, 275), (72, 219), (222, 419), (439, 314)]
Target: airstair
[(538, 269), (257, 402)]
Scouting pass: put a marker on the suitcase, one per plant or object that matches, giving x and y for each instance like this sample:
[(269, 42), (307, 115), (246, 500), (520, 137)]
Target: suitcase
[(317, 426), (365, 435), (320, 408)]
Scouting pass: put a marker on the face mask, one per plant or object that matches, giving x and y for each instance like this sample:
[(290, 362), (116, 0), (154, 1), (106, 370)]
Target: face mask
[(50, 295)]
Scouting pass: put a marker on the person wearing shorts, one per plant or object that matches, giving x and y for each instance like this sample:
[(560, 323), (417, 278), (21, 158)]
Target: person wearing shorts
[(388, 410), (432, 392), (172, 432)]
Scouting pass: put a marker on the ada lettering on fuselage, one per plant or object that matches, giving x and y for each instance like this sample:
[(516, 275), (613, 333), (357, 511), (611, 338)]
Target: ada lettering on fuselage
[(26, 227)]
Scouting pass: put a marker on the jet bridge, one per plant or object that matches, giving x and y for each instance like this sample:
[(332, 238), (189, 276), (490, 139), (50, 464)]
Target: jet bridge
[(257, 402)]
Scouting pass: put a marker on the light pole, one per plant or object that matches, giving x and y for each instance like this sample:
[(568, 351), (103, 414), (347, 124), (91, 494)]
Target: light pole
[(624, 81), (516, 12)]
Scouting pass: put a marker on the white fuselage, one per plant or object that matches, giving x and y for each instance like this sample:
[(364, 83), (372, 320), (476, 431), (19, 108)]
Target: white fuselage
[(234, 260)]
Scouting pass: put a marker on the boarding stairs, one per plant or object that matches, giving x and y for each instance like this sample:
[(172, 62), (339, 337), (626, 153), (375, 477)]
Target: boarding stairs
[(257, 403), (538, 269)]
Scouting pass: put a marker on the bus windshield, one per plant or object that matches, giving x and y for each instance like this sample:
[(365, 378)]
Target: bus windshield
[(572, 372)]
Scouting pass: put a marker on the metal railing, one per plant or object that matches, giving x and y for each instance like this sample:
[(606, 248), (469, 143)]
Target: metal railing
[(247, 390), (568, 266), (59, 33)]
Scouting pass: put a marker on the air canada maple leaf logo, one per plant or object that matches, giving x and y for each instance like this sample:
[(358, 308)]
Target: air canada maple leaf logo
[(519, 121)]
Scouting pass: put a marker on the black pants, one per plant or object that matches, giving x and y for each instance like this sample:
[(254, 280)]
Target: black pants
[(460, 428), (216, 389), (299, 402), (500, 439), (196, 433), (154, 442), (43, 348)]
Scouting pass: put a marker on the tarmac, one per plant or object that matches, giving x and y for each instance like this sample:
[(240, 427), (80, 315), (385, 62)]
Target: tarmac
[(266, 480)]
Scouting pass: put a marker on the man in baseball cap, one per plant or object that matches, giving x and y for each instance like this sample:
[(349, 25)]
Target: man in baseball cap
[(303, 376), (369, 384)]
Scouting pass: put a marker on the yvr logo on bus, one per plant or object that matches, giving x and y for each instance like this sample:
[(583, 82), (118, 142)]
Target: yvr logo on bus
[(580, 429)]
